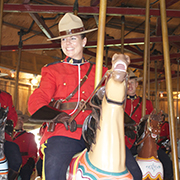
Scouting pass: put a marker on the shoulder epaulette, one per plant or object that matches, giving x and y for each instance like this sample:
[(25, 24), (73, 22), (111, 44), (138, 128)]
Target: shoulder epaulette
[(4, 92), (46, 65)]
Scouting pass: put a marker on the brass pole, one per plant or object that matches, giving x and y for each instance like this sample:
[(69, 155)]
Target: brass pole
[(169, 88), (122, 34), (177, 112), (16, 95), (100, 41), (156, 86), (177, 107), (148, 64), (146, 48), (75, 7), (1, 16)]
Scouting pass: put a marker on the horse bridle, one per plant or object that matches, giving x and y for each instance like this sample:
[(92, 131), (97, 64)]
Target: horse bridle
[(105, 77), (149, 128), (116, 102)]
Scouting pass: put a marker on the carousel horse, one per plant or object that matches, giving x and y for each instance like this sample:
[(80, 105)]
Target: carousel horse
[(147, 158), (106, 156), (3, 160)]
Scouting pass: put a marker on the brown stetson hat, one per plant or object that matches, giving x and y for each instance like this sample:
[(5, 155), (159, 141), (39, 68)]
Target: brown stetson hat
[(164, 114), (69, 25), (3, 74), (133, 76)]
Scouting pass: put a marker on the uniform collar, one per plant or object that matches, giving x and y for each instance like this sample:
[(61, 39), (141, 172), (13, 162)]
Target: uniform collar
[(74, 61), (18, 130), (132, 97)]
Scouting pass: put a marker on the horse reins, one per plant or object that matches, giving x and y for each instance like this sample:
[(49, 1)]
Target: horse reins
[(108, 72), (146, 135), (116, 102)]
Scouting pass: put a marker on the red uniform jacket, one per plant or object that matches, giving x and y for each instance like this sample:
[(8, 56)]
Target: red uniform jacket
[(164, 131), (130, 106), (58, 81), (27, 145), (6, 101)]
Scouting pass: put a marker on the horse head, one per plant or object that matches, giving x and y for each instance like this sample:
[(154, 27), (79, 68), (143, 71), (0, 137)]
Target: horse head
[(118, 73), (153, 123), (149, 126), (120, 63)]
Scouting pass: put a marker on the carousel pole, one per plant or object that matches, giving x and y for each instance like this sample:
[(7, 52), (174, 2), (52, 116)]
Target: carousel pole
[(177, 112), (1, 16), (100, 41), (122, 34), (146, 49), (75, 7), (169, 88), (177, 106), (16, 95), (148, 84), (156, 86)]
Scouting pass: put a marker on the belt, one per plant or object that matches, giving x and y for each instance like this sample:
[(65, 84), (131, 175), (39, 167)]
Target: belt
[(72, 105)]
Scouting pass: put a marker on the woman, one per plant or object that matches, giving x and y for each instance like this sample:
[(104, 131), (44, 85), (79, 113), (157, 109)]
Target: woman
[(58, 81)]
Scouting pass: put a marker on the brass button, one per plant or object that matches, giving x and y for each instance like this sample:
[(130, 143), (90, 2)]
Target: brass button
[(83, 92), (64, 84)]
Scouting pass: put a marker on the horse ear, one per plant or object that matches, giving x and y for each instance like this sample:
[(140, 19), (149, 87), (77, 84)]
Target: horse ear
[(153, 112)]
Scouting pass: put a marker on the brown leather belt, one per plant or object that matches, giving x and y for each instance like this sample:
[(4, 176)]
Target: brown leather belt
[(72, 105)]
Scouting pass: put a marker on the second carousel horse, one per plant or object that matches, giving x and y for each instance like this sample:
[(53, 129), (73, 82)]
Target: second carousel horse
[(147, 157)]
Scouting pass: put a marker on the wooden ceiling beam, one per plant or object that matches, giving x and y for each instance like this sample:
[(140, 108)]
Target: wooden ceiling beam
[(90, 44), (112, 11), (170, 2), (175, 44), (133, 50), (157, 57), (41, 25)]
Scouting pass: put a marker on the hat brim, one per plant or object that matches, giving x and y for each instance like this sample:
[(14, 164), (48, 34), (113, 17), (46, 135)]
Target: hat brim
[(24, 117), (137, 78), (3, 74), (82, 32)]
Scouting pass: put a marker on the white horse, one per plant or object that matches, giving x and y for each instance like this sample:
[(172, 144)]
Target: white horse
[(106, 158)]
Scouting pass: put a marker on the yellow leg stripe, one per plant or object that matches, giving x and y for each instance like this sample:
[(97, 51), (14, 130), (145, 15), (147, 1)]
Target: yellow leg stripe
[(43, 146)]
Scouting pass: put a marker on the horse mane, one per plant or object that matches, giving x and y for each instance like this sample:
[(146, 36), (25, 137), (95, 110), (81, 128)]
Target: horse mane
[(91, 123), (141, 127)]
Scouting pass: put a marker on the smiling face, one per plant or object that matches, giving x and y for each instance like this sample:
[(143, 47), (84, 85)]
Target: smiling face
[(132, 85), (72, 46), (20, 123)]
